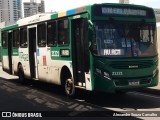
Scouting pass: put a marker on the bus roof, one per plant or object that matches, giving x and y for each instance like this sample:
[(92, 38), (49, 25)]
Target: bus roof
[(49, 16), (34, 19)]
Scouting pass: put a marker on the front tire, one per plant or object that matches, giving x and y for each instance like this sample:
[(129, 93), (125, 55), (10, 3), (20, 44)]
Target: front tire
[(69, 87)]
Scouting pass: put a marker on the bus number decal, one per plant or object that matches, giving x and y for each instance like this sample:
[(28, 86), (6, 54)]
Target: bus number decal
[(55, 53)]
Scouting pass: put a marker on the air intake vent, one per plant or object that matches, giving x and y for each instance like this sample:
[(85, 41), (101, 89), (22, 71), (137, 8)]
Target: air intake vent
[(131, 64)]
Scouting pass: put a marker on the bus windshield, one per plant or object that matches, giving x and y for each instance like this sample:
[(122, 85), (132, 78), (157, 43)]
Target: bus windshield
[(125, 39)]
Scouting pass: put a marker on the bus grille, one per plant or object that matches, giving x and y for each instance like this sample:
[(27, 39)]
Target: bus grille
[(127, 64)]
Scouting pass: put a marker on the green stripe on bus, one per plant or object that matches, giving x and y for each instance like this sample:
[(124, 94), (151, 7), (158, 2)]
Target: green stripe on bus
[(4, 52), (54, 16), (15, 52), (10, 27)]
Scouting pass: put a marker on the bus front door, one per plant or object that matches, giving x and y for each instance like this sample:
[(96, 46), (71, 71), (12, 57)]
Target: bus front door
[(32, 52), (10, 39), (80, 50)]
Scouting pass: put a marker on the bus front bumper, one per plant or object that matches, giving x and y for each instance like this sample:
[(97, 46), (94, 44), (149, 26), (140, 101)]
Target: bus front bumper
[(103, 84)]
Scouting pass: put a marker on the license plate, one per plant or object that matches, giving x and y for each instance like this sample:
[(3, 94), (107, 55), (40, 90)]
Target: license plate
[(134, 83)]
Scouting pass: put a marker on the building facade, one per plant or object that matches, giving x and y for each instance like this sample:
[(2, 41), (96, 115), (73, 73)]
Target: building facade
[(10, 11), (124, 1), (32, 8), (157, 13)]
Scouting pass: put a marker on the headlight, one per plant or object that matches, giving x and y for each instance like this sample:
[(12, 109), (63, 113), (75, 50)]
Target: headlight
[(107, 75), (104, 74), (154, 72)]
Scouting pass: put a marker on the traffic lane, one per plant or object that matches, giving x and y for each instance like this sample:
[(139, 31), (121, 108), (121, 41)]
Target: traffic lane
[(10, 102), (39, 92), (130, 101), (13, 97), (31, 96), (107, 100), (155, 91), (46, 93)]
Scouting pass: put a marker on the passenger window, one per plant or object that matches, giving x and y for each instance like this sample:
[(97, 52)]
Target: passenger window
[(41, 35), (16, 38), (4, 39), (51, 34), (63, 32), (23, 38)]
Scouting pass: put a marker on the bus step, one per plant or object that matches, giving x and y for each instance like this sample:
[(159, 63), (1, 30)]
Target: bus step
[(80, 87), (35, 78)]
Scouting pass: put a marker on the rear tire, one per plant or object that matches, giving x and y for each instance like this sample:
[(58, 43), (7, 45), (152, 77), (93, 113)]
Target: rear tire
[(21, 74), (69, 87)]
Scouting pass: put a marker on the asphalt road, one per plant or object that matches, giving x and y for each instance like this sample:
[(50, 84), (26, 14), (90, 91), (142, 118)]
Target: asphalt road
[(35, 96), (47, 99)]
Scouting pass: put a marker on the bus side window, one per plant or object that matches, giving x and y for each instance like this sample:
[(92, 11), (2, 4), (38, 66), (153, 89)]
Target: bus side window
[(51, 34), (4, 39), (41, 35), (16, 38), (23, 38), (63, 32)]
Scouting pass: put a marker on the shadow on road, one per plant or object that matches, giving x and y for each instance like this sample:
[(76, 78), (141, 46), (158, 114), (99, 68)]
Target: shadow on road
[(104, 99)]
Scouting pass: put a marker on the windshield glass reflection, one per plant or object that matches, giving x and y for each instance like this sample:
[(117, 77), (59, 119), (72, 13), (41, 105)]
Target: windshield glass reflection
[(122, 39)]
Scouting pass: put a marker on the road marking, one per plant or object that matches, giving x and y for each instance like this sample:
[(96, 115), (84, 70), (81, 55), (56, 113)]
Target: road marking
[(73, 106), (80, 107), (30, 96), (14, 86), (39, 100), (40, 94), (51, 105), (7, 88)]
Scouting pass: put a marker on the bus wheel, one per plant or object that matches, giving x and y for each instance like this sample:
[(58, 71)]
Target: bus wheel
[(69, 87), (21, 73)]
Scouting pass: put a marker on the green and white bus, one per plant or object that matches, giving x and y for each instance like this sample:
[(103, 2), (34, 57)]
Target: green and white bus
[(97, 47)]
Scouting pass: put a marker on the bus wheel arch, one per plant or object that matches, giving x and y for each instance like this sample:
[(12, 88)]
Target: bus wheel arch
[(20, 72), (67, 81)]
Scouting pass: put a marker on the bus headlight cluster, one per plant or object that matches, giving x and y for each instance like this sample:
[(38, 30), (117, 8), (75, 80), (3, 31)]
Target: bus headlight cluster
[(103, 73), (107, 75), (154, 72)]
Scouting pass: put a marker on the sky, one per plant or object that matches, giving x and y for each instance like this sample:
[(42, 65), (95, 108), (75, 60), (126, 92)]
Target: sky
[(60, 5)]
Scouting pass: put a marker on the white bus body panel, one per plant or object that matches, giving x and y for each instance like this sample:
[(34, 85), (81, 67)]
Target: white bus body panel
[(43, 61), (88, 81), (5, 62), (55, 71), (15, 61), (24, 60)]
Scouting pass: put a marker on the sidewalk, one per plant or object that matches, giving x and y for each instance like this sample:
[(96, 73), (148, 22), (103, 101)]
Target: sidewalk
[(6, 75)]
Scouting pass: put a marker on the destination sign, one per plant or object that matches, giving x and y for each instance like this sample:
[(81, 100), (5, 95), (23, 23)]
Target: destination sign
[(123, 11), (116, 11)]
